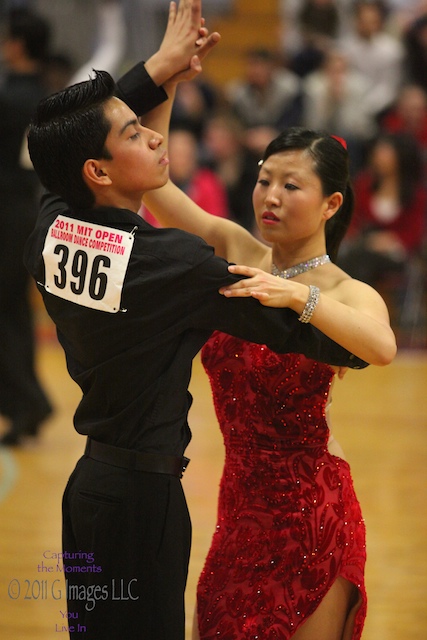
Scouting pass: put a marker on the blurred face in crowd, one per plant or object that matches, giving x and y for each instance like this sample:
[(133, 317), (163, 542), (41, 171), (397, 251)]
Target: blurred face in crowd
[(412, 107), (221, 138), (422, 36), (384, 159), (10, 48), (259, 71), (336, 65), (183, 155), (369, 21)]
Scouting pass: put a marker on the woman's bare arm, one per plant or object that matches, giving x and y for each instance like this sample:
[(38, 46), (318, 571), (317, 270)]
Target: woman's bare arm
[(351, 313), (173, 208)]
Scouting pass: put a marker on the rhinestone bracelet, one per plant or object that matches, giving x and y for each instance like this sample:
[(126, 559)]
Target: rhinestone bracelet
[(310, 305)]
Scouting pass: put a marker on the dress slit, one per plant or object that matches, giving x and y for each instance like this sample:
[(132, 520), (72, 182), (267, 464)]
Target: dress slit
[(355, 616)]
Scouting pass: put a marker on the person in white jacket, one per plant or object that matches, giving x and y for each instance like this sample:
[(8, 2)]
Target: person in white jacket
[(336, 98)]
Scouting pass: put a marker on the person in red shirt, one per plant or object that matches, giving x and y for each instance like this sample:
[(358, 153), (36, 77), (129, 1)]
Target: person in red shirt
[(199, 182), (389, 221), (409, 115)]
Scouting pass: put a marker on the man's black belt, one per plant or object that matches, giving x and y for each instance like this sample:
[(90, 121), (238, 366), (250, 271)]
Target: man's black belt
[(136, 460)]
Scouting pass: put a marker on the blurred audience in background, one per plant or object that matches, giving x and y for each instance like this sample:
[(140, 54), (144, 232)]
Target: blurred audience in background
[(226, 152), (409, 115), (268, 95), (388, 224), (334, 99), (292, 40), (195, 102), (58, 71), (415, 48), (186, 170), (376, 54), (318, 23)]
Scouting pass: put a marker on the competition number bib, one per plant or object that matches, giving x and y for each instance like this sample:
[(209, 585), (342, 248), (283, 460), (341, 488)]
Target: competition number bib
[(86, 263)]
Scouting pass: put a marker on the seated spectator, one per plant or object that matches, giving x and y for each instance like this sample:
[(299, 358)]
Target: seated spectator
[(268, 95), (289, 11), (58, 71), (390, 210), (320, 17), (237, 167), (194, 103), (415, 47), (375, 54), (334, 99), (200, 183), (319, 23), (409, 115)]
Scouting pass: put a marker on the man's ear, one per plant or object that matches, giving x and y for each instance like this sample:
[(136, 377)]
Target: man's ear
[(333, 203), (94, 174)]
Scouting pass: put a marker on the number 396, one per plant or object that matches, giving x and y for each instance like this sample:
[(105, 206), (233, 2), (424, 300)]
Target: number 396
[(79, 268)]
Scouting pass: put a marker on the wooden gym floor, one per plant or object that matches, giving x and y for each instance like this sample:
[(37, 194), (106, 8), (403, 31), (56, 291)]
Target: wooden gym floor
[(380, 418)]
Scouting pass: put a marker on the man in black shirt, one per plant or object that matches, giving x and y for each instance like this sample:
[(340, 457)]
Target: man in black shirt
[(132, 305)]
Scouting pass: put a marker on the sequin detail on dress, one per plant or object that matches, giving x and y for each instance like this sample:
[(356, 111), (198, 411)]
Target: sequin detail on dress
[(289, 522)]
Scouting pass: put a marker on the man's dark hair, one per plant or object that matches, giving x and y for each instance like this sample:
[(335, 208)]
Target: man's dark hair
[(32, 29), (70, 127)]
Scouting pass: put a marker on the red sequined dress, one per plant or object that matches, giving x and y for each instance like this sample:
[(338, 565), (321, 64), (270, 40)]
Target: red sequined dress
[(289, 522)]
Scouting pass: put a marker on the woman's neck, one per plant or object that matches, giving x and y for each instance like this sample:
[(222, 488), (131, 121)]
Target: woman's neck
[(288, 256)]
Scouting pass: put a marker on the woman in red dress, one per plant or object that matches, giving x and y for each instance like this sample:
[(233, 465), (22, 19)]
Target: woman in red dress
[(287, 557)]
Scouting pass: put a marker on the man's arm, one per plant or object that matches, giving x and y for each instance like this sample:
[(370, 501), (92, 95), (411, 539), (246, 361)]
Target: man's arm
[(139, 90), (278, 328)]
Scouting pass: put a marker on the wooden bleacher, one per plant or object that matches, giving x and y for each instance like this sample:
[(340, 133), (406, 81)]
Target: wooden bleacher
[(249, 24)]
